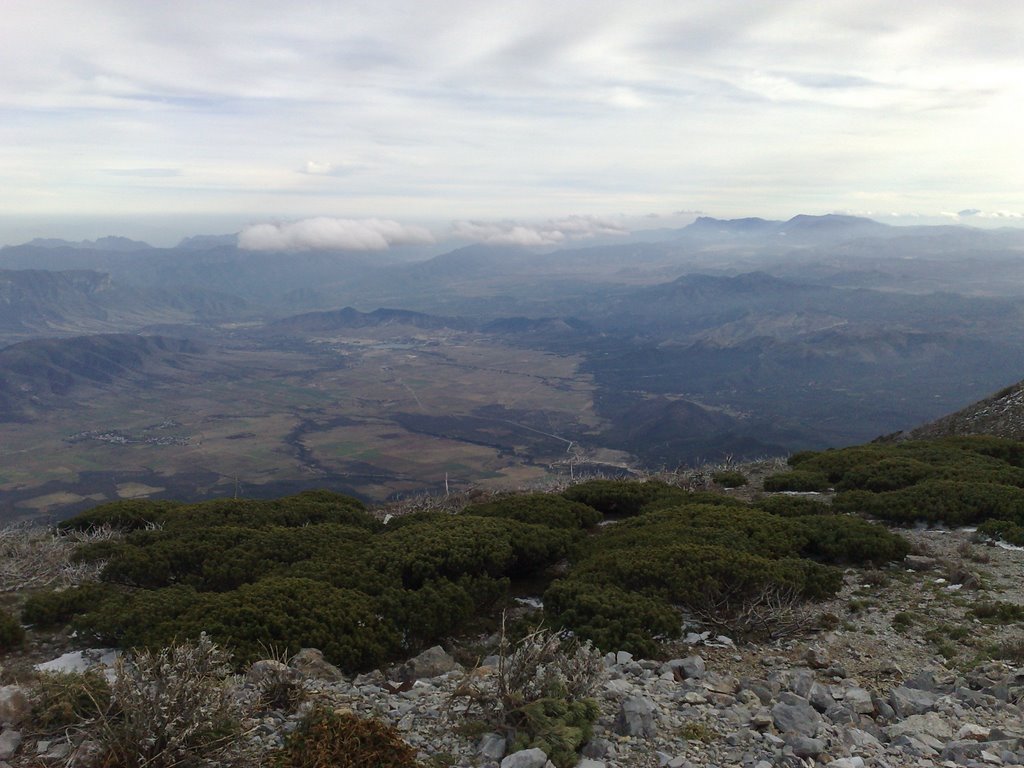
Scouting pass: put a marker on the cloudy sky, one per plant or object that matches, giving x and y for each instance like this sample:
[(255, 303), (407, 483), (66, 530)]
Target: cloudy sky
[(165, 119)]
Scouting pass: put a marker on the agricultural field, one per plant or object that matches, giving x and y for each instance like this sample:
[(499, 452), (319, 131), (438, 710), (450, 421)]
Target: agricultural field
[(379, 412)]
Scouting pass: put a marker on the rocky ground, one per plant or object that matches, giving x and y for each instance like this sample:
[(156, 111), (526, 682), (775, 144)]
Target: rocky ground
[(904, 674)]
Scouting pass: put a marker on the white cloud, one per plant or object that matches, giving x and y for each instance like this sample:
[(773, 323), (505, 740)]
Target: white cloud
[(327, 234), (551, 232)]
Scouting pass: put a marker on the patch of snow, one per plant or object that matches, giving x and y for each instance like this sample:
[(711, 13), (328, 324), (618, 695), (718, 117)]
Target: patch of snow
[(1011, 547), (82, 661), (533, 602)]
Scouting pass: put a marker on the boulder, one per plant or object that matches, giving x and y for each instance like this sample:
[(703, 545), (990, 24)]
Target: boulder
[(311, 663), (491, 746), (636, 717), (796, 716), (10, 740), (918, 726), (911, 701), (14, 704), (525, 758), (433, 662)]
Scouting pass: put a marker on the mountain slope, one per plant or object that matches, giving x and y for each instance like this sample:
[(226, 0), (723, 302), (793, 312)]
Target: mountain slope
[(39, 372), (1001, 414)]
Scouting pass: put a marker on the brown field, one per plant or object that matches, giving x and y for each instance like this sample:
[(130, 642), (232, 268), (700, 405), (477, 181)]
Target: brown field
[(387, 412)]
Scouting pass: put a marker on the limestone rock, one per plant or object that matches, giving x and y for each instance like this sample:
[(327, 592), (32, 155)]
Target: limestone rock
[(311, 663), (432, 663), (636, 717), (795, 715), (525, 758), (14, 704)]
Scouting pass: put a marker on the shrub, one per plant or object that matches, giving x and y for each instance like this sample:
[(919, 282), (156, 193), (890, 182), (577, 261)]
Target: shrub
[(947, 501), (1006, 530), (539, 695), (11, 633), (613, 618), (173, 707), (843, 539), (620, 498), (58, 606), (64, 699), (539, 508), (326, 739), (998, 612), (729, 478), (794, 506), (889, 474), (797, 480)]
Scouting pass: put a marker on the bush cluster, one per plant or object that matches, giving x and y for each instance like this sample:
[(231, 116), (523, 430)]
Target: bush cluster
[(310, 570), (953, 481), (712, 559), (318, 570)]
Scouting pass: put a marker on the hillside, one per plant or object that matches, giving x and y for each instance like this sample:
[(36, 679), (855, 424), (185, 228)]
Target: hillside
[(783, 631), (1001, 415)]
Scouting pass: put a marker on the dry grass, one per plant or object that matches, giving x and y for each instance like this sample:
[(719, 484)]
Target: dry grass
[(32, 556)]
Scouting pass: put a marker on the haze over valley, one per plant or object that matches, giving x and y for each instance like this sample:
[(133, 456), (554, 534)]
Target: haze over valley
[(209, 369)]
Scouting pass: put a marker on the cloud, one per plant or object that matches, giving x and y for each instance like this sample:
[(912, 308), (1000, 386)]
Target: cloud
[(977, 213), (327, 234), (551, 232), (317, 168)]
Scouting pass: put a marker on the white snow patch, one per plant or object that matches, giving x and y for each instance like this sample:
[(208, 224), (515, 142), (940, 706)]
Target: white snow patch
[(82, 661)]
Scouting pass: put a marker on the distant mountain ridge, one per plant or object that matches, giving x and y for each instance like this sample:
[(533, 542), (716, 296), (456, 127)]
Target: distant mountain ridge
[(35, 373)]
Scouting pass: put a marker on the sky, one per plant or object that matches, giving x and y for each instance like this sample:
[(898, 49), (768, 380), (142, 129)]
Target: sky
[(399, 122)]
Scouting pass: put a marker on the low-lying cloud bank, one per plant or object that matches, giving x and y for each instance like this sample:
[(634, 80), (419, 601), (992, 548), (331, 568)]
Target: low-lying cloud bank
[(551, 232), (328, 234)]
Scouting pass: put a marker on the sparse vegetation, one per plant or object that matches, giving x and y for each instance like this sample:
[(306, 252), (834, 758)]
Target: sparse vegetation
[(11, 633), (329, 739)]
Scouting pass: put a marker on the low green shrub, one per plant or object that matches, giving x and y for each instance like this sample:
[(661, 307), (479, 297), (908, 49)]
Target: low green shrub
[(328, 739), (729, 478), (11, 633), (57, 607), (557, 726), (800, 480), (611, 617), (793, 506), (1007, 531), (946, 501), (539, 508), (998, 612), (620, 498)]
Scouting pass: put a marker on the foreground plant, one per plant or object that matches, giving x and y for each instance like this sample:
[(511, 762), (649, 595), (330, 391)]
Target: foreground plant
[(539, 694), (171, 707)]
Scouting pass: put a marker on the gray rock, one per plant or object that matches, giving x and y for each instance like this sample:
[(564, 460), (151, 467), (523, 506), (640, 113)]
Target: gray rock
[(917, 726), (586, 762), (883, 711), (636, 717), (855, 738), (491, 746), (846, 762), (525, 758), (911, 701), (433, 662), (268, 669), (920, 562), (840, 714), (685, 669), (597, 748), (10, 740), (720, 683), (805, 747), (14, 704), (817, 658), (859, 700), (961, 751), (795, 715), (311, 663), (820, 697)]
